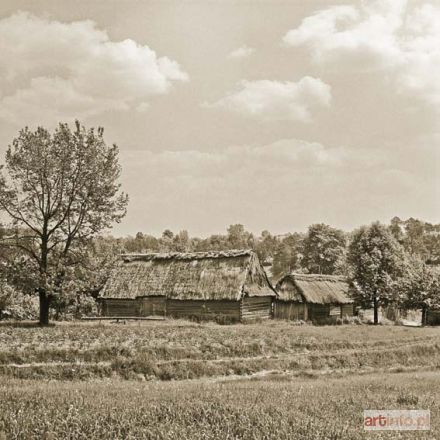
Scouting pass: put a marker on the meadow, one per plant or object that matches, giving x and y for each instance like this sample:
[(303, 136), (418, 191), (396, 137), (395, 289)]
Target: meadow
[(181, 380), (270, 408), (184, 350)]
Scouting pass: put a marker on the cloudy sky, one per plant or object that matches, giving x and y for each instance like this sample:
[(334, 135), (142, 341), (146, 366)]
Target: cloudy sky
[(274, 114)]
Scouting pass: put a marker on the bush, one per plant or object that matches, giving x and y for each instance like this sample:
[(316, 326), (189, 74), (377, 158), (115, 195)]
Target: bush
[(22, 307), (352, 320)]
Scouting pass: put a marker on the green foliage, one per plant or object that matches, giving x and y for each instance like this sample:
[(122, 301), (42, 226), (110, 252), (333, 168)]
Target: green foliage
[(17, 306), (418, 287), (266, 246), (6, 294), (287, 255), (376, 262), (420, 239), (323, 249), (59, 191)]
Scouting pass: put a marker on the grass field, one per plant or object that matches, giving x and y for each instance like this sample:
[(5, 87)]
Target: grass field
[(180, 380), (183, 350), (272, 408)]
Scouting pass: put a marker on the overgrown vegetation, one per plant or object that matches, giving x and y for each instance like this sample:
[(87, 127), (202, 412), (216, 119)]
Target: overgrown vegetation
[(275, 407), (184, 350)]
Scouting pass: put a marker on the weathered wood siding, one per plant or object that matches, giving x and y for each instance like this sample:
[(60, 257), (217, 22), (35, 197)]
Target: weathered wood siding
[(432, 317), (152, 305), (257, 307), (290, 310), (347, 310), (119, 307), (204, 310), (319, 312), (322, 312)]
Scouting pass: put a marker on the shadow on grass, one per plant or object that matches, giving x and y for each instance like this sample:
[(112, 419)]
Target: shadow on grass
[(25, 324)]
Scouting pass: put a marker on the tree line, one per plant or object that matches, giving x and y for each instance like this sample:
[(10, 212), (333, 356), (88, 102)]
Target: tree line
[(60, 192)]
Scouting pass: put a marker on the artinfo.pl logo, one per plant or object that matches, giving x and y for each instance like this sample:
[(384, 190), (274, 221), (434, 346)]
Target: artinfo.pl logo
[(397, 420)]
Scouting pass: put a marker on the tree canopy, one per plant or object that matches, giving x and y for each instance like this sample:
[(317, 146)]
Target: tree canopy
[(376, 262), (323, 249), (59, 190)]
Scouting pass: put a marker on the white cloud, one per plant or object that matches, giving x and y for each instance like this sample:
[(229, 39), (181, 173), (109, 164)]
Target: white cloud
[(386, 35), (242, 52), (285, 183), (55, 70), (275, 100)]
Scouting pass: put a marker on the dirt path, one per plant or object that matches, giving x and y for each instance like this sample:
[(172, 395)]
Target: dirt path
[(272, 357)]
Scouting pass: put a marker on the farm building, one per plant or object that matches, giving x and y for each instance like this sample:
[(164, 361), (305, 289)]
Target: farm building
[(313, 297), (229, 286), (431, 317)]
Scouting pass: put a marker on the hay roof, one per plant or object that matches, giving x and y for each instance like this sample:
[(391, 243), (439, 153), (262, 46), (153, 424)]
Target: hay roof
[(315, 289), (196, 276)]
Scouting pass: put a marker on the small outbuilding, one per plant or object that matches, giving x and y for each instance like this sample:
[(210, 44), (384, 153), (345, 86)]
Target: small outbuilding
[(227, 286), (313, 297), (431, 316)]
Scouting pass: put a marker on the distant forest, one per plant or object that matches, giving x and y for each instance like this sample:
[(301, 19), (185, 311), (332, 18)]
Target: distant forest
[(322, 249)]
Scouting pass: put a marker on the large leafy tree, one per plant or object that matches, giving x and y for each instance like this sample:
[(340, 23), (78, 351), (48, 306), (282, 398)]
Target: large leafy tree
[(59, 190), (287, 255), (418, 287), (324, 249), (420, 239), (376, 262), (266, 246), (239, 238)]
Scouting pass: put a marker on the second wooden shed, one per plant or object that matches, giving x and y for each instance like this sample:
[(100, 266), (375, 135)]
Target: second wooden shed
[(313, 297)]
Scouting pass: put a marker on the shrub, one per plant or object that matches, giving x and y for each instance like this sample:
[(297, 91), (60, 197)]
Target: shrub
[(22, 307)]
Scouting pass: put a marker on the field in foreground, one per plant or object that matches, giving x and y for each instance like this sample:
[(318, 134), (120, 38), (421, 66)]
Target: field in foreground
[(180, 380), (183, 350), (271, 408)]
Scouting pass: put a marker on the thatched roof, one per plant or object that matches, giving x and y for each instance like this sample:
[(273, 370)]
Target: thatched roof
[(197, 276), (315, 289)]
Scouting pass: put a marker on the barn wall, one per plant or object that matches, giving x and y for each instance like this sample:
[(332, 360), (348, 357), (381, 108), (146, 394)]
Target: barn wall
[(347, 310), (119, 307), (204, 310), (256, 308), (290, 310), (433, 317), (318, 312), (152, 305), (322, 312)]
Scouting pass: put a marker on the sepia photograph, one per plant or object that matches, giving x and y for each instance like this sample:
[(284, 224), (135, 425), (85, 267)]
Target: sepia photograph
[(219, 219)]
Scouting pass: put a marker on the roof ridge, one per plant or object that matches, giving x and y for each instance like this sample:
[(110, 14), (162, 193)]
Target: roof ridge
[(318, 276), (233, 253)]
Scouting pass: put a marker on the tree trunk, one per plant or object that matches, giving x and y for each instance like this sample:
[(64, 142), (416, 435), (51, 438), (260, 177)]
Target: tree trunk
[(376, 310), (424, 316), (44, 307)]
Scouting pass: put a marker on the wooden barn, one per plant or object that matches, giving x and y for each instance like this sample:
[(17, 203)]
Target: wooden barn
[(431, 317), (313, 297), (228, 286)]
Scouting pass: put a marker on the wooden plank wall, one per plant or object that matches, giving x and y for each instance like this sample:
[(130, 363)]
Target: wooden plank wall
[(204, 310), (347, 310), (152, 305), (257, 307), (248, 309), (119, 307), (318, 312), (433, 317), (290, 310)]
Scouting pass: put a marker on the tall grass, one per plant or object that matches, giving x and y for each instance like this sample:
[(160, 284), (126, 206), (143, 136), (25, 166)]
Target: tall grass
[(182, 350), (299, 409)]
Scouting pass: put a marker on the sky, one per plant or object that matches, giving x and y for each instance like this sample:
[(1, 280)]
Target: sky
[(272, 114)]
